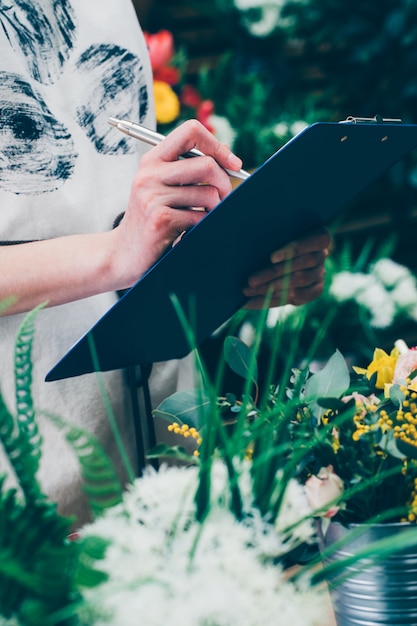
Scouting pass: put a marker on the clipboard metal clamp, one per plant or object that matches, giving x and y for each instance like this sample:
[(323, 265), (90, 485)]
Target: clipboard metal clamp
[(377, 119)]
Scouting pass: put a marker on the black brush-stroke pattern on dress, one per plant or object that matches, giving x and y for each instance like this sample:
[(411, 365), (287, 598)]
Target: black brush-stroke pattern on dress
[(109, 77), (41, 33), (37, 153)]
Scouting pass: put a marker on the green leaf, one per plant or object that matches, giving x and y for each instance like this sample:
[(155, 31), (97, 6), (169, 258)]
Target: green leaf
[(91, 549), (330, 382), (19, 433), (391, 445), (190, 407), (177, 453), (101, 482), (240, 358), (406, 449), (396, 396)]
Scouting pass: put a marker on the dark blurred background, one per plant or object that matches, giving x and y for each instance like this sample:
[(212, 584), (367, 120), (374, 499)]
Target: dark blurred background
[(271, 66)]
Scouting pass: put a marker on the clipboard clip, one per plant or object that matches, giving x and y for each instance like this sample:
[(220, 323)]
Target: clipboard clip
[(377, 119)]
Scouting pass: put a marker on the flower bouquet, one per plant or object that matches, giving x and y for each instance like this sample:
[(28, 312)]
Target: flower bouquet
[(366, 436), (350, 439), (202, 544), (363, 471)]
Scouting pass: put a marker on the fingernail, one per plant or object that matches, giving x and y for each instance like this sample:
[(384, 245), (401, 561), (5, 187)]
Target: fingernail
[(234, 161)]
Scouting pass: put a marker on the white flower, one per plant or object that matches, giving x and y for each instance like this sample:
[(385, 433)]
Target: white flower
[(379, 303), (279, 314), (295, 507), (247, 333), (413, 313), (345, 285), (389, 272), (166, 568), (223, 130), (281, 129), (298, 126), (368, 292), (405, 294)]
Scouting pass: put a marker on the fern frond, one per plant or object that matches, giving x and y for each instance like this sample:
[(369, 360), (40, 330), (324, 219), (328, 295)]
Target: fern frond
[(100, 481), (37, 562), (23, 386), (19, 434)]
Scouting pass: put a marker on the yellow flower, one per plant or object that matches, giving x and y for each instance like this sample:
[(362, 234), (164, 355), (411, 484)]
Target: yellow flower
[(383, 364), (167, 104)]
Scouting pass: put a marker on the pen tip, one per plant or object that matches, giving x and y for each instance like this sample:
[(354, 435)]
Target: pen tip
[(113, 121)]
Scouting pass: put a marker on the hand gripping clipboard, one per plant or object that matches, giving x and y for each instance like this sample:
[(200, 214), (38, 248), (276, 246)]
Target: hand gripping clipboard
[(306, 183)]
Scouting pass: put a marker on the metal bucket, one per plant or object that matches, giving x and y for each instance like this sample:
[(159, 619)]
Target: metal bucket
[(381, 593)]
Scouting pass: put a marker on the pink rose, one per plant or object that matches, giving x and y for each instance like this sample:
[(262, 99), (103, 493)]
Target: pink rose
[(406, 364), (324, 488)]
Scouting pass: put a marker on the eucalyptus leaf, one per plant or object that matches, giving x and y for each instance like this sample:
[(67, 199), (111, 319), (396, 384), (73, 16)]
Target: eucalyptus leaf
[(330, 382), (185, 407), (390, 445), (397, 396), (240, 358), (407, 449)]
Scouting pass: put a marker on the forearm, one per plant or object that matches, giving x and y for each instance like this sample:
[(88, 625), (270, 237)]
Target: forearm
[(56, 271)]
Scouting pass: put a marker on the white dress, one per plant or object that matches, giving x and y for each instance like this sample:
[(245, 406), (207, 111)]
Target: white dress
[(65, 67)]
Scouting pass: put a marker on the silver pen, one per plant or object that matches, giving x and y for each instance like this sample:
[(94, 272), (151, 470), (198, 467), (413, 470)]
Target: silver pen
[(153, 138)]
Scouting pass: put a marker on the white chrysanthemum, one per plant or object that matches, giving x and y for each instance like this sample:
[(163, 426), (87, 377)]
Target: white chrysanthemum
[(245, 5), (279, 314), (295, 507), (346, 285), (389, 272), (412, 314), (223, 129), (281, 129), (267, 23), (247, 333), (164, 567), (379, 304), (404, 294), (298, 126)]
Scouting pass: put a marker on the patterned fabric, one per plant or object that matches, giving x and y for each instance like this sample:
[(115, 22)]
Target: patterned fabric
[(65, 67)]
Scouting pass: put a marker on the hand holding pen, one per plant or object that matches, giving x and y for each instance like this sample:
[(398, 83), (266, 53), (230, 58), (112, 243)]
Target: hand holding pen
[(164, 186), (153, 138)]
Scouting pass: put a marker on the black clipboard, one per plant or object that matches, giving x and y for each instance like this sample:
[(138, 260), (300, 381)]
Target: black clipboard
[(306, 183)]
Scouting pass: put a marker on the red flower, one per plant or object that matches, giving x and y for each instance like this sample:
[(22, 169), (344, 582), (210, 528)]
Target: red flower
[(161, 48), (204, 111), (167, 74), (190, 97)]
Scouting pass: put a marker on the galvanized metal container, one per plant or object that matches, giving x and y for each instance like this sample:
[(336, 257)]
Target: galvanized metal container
[(382, 593)]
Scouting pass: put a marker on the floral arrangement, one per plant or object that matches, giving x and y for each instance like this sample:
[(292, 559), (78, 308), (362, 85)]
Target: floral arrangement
[(348, 434), (364, 459), (176, 99), (203, 544), (165, 566)]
